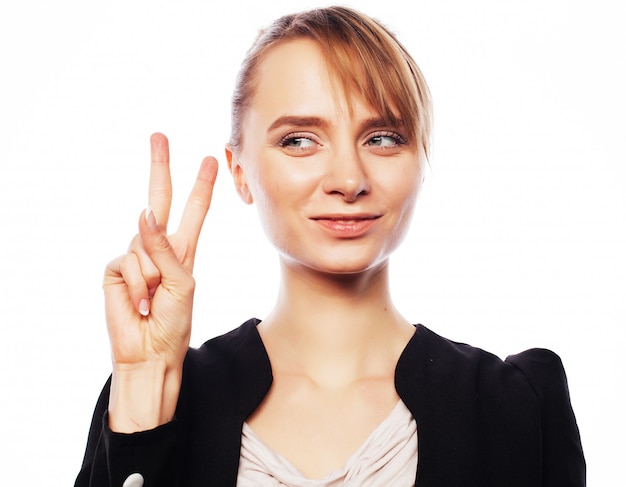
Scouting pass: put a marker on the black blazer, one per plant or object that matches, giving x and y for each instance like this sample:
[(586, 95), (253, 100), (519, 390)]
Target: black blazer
[(482, 422)]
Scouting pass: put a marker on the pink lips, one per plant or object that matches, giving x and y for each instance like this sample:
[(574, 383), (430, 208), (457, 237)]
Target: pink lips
[(346, 226)]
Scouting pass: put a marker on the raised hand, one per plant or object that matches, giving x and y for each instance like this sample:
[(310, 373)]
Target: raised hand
[(149, 298)]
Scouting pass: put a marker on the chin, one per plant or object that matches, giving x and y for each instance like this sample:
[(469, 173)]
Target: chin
[(348, 266)]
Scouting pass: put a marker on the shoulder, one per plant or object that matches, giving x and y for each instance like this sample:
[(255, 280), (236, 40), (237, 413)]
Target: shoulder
[(234, 354), (543, 369), (452, 353), (531, 384), (517, 408), (444, 356), (229, 369), (241, 343), (455, 369), (564, 461)]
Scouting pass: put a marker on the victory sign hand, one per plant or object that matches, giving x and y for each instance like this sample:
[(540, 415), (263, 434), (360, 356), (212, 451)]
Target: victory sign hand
[(149, 297)]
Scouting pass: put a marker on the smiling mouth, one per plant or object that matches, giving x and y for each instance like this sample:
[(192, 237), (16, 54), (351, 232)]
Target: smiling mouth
[(346, 226), (347, 218)]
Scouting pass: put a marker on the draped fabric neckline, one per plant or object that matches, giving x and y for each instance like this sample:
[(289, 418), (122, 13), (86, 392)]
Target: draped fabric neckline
[(387, 457)]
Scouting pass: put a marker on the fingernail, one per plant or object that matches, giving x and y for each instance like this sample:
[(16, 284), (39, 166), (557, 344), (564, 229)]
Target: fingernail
[(151, 219), (144, 307)]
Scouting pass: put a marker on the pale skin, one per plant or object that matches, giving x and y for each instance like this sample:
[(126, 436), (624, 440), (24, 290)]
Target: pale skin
[(149, 297), (334, 336)]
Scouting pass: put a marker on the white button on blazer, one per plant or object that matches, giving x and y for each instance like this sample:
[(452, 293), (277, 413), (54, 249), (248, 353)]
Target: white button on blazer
[(134, 480)]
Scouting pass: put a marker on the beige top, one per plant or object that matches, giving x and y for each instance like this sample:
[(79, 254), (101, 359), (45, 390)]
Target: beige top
[(387, 457)]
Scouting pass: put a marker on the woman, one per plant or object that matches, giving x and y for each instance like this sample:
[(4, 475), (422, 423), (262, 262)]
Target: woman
[(331, 126)]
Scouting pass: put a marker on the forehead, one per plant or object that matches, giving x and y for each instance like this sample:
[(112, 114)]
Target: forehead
[(291, 71), (294, 76)]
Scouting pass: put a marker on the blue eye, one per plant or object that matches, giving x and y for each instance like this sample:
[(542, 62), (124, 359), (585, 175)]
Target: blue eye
[(297, 142), (383, 141), (387, 139)]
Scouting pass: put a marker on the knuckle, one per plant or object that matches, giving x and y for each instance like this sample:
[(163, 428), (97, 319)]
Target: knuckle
[(186, 284), (162, 244), (152, 277), (191, 283), (130, 271), (126, 262), (135, 244), (161, 192)]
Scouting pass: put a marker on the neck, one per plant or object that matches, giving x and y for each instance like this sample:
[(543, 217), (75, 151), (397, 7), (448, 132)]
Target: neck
[(341, 321)]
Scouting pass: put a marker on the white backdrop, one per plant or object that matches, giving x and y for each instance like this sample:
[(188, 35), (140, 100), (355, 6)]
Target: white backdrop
[(518, 239)]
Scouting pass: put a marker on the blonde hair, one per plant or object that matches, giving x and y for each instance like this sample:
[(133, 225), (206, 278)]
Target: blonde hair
[(365, 56)]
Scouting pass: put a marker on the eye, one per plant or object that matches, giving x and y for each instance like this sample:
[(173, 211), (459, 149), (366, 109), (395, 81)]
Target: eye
[(386, 140), (298, 143)]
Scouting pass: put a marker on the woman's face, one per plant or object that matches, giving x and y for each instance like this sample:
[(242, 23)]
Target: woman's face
[(335, 189)]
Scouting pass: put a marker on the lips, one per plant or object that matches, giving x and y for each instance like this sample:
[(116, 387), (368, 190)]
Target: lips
[(345, 225)]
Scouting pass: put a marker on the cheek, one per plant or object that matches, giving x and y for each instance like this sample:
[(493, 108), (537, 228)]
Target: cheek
[(411, 191), (267, 200), (276, 195), (281, 184), (402, 186), (402, 194)]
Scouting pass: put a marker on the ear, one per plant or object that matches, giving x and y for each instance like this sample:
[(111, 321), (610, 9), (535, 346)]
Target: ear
[(239, 178)]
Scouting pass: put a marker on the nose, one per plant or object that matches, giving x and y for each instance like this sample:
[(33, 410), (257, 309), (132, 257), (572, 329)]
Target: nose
[(347, 175)]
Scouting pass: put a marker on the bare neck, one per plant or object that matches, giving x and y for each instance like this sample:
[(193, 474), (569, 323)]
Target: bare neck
[(335, 326)]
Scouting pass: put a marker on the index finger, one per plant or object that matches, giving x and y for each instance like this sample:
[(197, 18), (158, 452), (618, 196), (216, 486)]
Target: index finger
[(160, 189), (198, 206)]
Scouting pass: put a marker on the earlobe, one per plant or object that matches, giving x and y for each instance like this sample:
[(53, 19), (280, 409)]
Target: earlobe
[(239, 178)]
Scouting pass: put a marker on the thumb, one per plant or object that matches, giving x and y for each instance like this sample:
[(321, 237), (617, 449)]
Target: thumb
[(174, 276)]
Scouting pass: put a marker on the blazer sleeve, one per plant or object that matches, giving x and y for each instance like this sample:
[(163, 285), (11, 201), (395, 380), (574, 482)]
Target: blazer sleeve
[(110, 458), (563, 459)]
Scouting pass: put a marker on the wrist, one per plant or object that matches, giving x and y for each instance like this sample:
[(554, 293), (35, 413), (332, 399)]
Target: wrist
[(143, 396)]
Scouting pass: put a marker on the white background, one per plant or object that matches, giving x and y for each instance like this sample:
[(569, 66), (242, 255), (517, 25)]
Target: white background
[(518, 239)]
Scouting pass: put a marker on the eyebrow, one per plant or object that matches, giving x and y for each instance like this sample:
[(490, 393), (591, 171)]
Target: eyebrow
[(296, 121), (378, 122)]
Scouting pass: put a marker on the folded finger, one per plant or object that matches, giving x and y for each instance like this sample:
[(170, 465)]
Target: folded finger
[(130, 271), (149, 271)]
